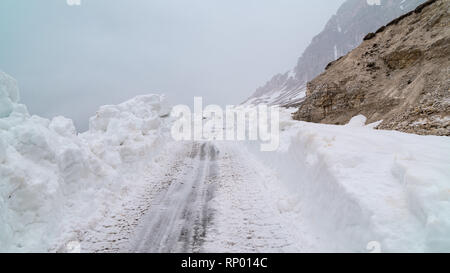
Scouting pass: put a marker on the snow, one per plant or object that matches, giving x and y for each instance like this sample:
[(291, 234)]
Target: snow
[(62, 126), (125, 132), (114, 231), (291, 74), (255, 212), (299, 94), (359, 185), (357, 121), (327, 188), (54, 182), (9, 95)]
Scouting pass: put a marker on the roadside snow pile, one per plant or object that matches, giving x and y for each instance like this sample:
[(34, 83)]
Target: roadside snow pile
[(356, 185), (9, 95), (52, 181), (126, 132)]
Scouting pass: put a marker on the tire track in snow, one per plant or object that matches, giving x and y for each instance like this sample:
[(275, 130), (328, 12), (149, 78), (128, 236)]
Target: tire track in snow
[(179, 217), (254, 213), (113, 232), (205, 201)]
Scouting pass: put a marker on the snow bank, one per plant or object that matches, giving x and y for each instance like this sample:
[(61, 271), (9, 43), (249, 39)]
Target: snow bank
[(356, 185), (53, 181), (125, 132), (9, 95)]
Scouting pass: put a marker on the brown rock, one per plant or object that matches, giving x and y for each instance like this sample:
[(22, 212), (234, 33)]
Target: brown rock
[(400, 76)]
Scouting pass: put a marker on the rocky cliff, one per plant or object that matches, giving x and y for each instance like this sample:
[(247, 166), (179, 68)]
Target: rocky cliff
[(343, 32), (400, 75)]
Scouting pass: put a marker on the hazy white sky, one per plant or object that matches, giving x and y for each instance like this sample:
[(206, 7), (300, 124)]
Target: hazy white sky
[(71, 59)]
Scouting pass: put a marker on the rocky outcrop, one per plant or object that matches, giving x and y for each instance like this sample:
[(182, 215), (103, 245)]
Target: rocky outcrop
[(343, 32), (400, 75)]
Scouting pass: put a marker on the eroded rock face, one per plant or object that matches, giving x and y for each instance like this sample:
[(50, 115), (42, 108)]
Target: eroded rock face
[(402, 59), (401, 75), (343, 32)]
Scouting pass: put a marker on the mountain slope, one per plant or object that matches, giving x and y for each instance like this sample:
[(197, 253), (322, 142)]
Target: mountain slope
[(343, 32), (399, 75)]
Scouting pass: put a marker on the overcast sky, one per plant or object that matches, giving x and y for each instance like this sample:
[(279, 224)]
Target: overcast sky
[(71, 59)]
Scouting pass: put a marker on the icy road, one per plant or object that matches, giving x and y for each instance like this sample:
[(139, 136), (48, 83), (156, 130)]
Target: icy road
[(314, 195), (211, 198), (178, 218)]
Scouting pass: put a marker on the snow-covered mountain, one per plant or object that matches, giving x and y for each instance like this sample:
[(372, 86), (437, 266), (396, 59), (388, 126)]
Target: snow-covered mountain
[(343, 32)]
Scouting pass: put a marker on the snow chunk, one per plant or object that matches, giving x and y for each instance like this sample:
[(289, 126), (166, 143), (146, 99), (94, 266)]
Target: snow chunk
[(2, 150), (357, 121), (9, 94), (63, 126), (8, 86), (121, 133), (374, 125)]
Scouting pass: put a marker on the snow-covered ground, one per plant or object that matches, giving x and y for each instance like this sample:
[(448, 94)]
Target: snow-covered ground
[(125, 185), (252, 211), (357, 185), (204, 197)]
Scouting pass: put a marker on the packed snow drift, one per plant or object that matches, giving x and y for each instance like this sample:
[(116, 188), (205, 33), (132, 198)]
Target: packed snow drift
[(349, 188), (54, 181), (357, 185)]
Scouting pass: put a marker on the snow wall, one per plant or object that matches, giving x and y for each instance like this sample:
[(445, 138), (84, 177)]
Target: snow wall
[(362, 187), (53, 179)]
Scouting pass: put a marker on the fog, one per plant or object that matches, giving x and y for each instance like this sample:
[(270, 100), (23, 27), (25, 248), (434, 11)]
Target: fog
[(69, 60)]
